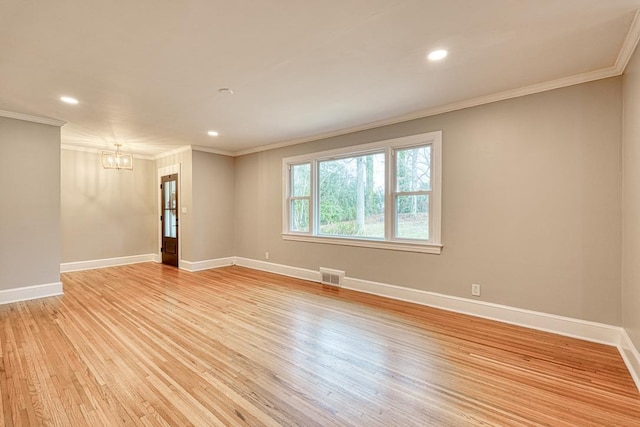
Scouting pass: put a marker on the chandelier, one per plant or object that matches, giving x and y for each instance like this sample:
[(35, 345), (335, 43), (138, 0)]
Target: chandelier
[(117, 159)]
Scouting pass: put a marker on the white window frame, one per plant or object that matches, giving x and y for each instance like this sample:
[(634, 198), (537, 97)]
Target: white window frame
[(291, 198), (389, 147)]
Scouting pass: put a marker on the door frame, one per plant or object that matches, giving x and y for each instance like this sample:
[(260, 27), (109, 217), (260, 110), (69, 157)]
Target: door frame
[(164, 171)]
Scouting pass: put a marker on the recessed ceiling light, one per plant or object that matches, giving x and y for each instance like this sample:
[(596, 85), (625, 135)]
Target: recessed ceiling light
[(437, 55), (225, 91), (212, 133), (68, 100)]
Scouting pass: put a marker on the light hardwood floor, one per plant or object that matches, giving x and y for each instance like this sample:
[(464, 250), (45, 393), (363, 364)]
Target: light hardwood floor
[(150, 345)]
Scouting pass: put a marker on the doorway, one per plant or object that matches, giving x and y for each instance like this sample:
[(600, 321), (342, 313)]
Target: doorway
[(169, 219)]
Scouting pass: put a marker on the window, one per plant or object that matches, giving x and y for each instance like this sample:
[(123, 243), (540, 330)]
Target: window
[(384, 195), (300, 199), (351, 196), (412, 192)]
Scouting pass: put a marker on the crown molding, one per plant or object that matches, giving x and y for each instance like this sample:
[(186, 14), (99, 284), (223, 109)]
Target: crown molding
[(172, 152), (629, 45), (447, 108), (99, 151), (34, 119), (193, 148), (212, 150), (624, 55)]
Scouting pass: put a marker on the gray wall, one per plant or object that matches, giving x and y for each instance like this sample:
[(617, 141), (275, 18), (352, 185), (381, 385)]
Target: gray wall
[(207, 192), (531, 205), (631, 202), (213, 206), (106, 213), (30, 209)]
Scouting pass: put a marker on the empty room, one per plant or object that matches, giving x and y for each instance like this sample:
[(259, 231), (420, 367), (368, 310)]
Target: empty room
[(337, 213)]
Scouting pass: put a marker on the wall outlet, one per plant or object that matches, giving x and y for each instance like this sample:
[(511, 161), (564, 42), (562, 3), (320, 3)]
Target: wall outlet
[(266, 255), (475, 290)]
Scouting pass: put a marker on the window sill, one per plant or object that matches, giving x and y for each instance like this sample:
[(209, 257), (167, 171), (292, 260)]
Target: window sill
[(363, 243)]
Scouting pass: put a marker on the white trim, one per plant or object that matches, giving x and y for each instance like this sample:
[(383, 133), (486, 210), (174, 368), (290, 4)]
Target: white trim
[(30, 292), (560, 325), (172, 152), (566, 326), (630, 355), (387, 147), (436, 196), (582, 329), (447, 108), (206, 265), (624, 55), (432, 137), (575, 328), (212, 150), (34, 119), (284, 270), (629, 45), (99, 151), (363, 243), (102, 263)]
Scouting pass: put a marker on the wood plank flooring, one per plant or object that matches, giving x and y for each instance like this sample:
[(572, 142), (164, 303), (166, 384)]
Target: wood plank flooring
[(150, 345)]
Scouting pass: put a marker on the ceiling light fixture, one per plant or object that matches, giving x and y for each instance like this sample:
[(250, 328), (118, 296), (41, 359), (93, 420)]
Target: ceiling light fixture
[(68, 100), (225, 91), (437, 55), (212, 133), (117, 159)]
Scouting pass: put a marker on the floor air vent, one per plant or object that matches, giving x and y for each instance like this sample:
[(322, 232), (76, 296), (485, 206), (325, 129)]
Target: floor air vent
[(331, 277)]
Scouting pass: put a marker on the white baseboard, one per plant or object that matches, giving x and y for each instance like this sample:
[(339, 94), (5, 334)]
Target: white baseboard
[(284, 270), (30, 292), (109, 262), (566, 326), (205, 265), (630, 355), (590, 331)]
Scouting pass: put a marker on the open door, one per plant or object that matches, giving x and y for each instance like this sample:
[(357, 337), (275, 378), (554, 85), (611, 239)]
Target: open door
[(169, 218)]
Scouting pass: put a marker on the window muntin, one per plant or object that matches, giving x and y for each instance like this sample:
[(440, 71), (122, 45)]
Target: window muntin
[(300, 199), (413, 192), (385, 194)]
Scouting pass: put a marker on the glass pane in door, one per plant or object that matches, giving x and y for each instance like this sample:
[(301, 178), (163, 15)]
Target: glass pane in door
[(170, 209)]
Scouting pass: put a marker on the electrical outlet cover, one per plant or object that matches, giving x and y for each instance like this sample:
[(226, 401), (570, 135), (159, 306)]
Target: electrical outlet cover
[(475, 290)]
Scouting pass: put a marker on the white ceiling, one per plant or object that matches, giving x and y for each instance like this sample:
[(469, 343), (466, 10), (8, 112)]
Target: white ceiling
[(147, 72)]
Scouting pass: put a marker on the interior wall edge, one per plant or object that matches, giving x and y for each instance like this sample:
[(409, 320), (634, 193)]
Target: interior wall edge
[(107, 262), (630, 355), (194, 266), (30, 292), (31, 118)]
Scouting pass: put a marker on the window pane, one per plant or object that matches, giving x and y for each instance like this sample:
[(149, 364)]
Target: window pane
[(412, 217), (300, 215), (351, 197), (170, 209), (413, 169), (170, 223), (169, 194), (301, 180)]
